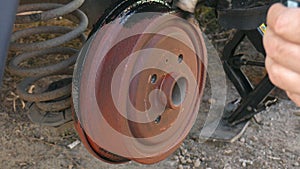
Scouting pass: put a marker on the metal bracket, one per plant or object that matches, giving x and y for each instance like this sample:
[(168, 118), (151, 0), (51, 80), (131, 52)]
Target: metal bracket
[(237, 61), (253, 99)]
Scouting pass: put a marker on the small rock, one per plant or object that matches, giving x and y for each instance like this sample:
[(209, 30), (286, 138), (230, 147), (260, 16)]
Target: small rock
[(227, 166), (228, 152), (183, 161), (23, 164), (197, 163), (297, 112), (243, 140), (296, 164), (258, 118), (180, 167), (211, 101), (189, 160), (175, 157), (253, 138), (171, 163), (244, 164), (60, 156)]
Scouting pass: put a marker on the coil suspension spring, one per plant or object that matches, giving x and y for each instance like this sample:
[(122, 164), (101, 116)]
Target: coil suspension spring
[(48, 105)]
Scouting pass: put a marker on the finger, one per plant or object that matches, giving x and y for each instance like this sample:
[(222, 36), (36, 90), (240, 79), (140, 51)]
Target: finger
[(295, 97), (281, 51), (285, 22), (283, 77)]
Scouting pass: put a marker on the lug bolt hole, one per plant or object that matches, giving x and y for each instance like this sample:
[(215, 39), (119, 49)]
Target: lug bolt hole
[(180, 58), (153, 78), (157, 120)]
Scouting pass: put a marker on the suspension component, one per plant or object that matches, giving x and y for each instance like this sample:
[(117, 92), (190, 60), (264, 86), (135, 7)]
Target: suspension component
[(244, 16), (138, 82), (48, 104)]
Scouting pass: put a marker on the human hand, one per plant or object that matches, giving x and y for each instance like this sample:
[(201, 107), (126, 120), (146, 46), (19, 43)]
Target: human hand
[(282, 45), (187, 5)]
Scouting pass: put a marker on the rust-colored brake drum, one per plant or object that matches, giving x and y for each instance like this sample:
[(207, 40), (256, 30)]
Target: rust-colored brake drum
[(138, 82)]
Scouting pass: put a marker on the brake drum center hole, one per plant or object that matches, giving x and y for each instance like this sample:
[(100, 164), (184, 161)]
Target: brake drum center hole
[(179, 91)]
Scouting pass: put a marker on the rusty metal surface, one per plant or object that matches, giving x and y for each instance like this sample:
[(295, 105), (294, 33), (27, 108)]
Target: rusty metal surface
[(92, 8), (15, 68), (50, 102), (47, 95), (138, 83), (49, 118), (95, 149), (50, 11), (67, 33)]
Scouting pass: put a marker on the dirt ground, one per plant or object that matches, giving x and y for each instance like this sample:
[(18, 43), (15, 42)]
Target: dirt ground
[(272, 142)]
